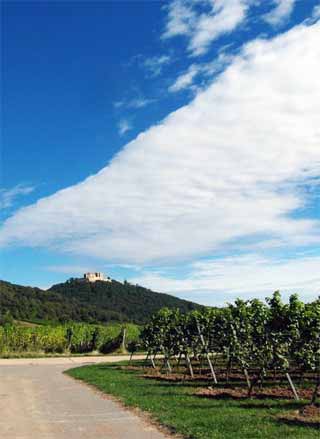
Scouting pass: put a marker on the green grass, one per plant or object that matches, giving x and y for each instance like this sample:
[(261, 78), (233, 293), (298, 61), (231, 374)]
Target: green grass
[(175, 406)]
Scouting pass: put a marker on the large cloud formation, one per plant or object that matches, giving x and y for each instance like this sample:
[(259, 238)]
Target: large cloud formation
[(217, 281), (228, 166)]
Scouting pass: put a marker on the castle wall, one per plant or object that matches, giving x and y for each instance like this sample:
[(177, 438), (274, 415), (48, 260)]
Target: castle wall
[(93, 277)]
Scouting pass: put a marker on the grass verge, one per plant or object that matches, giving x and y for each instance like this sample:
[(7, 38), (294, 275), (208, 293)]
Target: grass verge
[(174, 405)]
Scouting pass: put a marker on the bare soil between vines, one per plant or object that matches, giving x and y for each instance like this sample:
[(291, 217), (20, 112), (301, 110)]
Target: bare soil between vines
[(276, 392), (205, 376)]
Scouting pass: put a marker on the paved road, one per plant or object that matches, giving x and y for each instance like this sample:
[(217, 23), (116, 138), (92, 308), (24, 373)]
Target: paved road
[(38, 402)]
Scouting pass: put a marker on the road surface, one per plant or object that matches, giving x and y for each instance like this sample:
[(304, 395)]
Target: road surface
[(37, 401)]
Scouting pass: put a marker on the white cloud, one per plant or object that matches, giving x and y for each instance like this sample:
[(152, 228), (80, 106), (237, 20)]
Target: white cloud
[(124, 126), (316, 12), (139, 102), (215, 282), (181, 18), (280, 13), (8, 196), (226, 166), (186, 79), (155, 64), (202, 28), (136, 103)]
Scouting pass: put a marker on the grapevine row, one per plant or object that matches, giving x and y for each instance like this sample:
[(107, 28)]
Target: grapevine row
[(251, 335), (68, 338)]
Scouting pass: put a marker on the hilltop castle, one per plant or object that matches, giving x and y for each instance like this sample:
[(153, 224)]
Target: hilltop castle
[(93, 277)]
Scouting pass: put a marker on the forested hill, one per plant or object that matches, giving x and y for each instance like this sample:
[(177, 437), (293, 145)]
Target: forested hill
[(132, 302), (88, 302)]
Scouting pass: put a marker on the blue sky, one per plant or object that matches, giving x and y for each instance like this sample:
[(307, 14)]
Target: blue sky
[(173, 144)]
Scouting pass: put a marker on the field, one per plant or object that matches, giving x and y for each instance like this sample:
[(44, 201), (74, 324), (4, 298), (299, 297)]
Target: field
[(249, 370), (25, 340), (176, 405)]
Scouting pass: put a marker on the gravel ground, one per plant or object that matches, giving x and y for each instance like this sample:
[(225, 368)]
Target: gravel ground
[(37, 401)]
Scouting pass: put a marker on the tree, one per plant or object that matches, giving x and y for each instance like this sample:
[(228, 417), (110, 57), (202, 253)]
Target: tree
[(6, 318)]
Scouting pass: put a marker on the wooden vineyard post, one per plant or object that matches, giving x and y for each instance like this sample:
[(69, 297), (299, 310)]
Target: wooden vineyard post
[(168, 365), (207, 355), (296, 396), (212, 369), (166, 361), (247, 378), (123, 344), (189, 364), (151, 359)]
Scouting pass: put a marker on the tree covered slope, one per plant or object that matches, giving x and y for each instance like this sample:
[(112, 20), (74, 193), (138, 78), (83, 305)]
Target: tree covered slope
[(88, 302), (131, 302)]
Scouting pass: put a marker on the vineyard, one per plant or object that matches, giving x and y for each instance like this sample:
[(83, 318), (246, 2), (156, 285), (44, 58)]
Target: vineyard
[(248, 370), (74, 338), (251, 341)]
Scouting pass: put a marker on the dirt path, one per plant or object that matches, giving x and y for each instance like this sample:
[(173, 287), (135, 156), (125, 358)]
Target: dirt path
[(38, 402)]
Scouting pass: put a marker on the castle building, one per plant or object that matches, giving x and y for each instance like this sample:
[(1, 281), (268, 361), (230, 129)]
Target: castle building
[(93, 277)]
